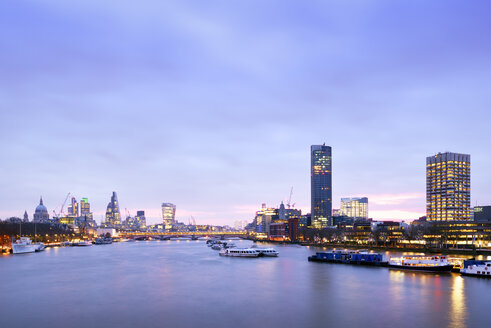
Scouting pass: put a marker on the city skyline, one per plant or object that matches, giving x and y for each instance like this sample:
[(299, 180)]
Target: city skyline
[(97, 97)]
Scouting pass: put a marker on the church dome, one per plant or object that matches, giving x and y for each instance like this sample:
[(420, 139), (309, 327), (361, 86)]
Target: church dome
[(41, 208)]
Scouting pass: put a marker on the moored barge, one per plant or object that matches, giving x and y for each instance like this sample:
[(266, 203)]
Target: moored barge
[(350, 257)]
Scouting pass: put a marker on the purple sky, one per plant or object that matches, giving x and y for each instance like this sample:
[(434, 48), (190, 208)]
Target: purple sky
[(213, 105)]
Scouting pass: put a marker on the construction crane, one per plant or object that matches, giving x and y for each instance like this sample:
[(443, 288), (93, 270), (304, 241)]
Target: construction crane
[(61, 213), (192, 221), (289, 202)]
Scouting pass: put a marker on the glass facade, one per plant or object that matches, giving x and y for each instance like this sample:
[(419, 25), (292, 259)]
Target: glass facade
[(356, 207), (448, 187), (168, 214), (73, 209), (321, 185), (113, 215)]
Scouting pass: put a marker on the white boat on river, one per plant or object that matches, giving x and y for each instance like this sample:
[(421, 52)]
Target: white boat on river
[(23, 245), (239, 252)]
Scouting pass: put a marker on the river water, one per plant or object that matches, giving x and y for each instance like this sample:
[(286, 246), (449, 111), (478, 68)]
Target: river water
[(186, 284)]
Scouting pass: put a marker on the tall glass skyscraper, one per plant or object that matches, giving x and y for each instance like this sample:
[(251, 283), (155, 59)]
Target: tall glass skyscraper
[(113, 216), (321, 185), (448, 187), (168, 214)]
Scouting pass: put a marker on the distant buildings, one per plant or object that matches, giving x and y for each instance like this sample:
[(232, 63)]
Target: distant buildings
[(448, 187), (168, 215), (85, 209), (73, 209), (41, 213), (356, 207), (140, 219), (321, 185), (113, 215)]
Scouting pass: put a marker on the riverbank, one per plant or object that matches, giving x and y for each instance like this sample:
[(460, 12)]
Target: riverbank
[(453, 251)]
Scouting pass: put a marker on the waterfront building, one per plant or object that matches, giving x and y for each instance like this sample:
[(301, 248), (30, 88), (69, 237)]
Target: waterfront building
[(321, 185), (113, 215), (73, 209), (168, 215), (354, 207), (458, 234), (482, 213), (140, 219), (26, 217), (41, 213), (263, 220), (448, 187)]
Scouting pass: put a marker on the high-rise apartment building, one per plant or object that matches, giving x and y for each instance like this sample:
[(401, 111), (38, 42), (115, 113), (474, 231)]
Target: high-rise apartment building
[(448, 187), (113, 215), (321, 185), (354, 207), (168, 214)]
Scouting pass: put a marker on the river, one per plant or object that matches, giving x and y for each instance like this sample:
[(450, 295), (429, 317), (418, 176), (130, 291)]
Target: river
[(186, 284)]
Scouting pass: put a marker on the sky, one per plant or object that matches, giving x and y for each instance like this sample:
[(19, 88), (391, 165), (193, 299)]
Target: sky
[(213, 105)]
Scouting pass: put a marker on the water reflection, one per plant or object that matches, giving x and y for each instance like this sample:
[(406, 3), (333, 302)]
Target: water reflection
[(458, 309)]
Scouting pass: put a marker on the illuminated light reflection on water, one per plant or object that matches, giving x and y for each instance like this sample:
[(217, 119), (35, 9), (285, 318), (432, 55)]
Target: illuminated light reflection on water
[(186, 284)]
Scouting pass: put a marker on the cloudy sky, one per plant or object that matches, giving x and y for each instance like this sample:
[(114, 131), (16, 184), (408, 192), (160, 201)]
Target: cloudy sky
[(213, 105)]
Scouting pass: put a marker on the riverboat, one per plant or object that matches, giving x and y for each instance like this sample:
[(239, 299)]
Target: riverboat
[(476, 268), (350, 257), (428, 263), (217, 247), (239, 252), (82, 243), (23, 245), (268, 252), (40, 246), (103, 241)]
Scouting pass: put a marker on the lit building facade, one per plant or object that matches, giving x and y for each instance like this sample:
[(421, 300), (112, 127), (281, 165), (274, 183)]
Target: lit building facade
[(168, 215), (355, 207), (113, 215), (263, 220), (73, 209), (448, 187), (140, 219), (321, 185), (85, 209)]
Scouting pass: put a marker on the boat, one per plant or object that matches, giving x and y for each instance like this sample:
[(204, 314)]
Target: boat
[(217, 247), (428, 263), (40, 247), (23, 245), (268, 252), (350, 257), (457, 262), (82, 243), (476, 268), (239, 252), (103, 241)]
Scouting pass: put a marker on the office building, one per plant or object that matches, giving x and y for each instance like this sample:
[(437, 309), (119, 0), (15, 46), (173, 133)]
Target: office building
[(482, 213), (168, 215), (355, 207), (448, 187), (321, 185), (113, 215), (85, 209), (140, 219), (73, 209)]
